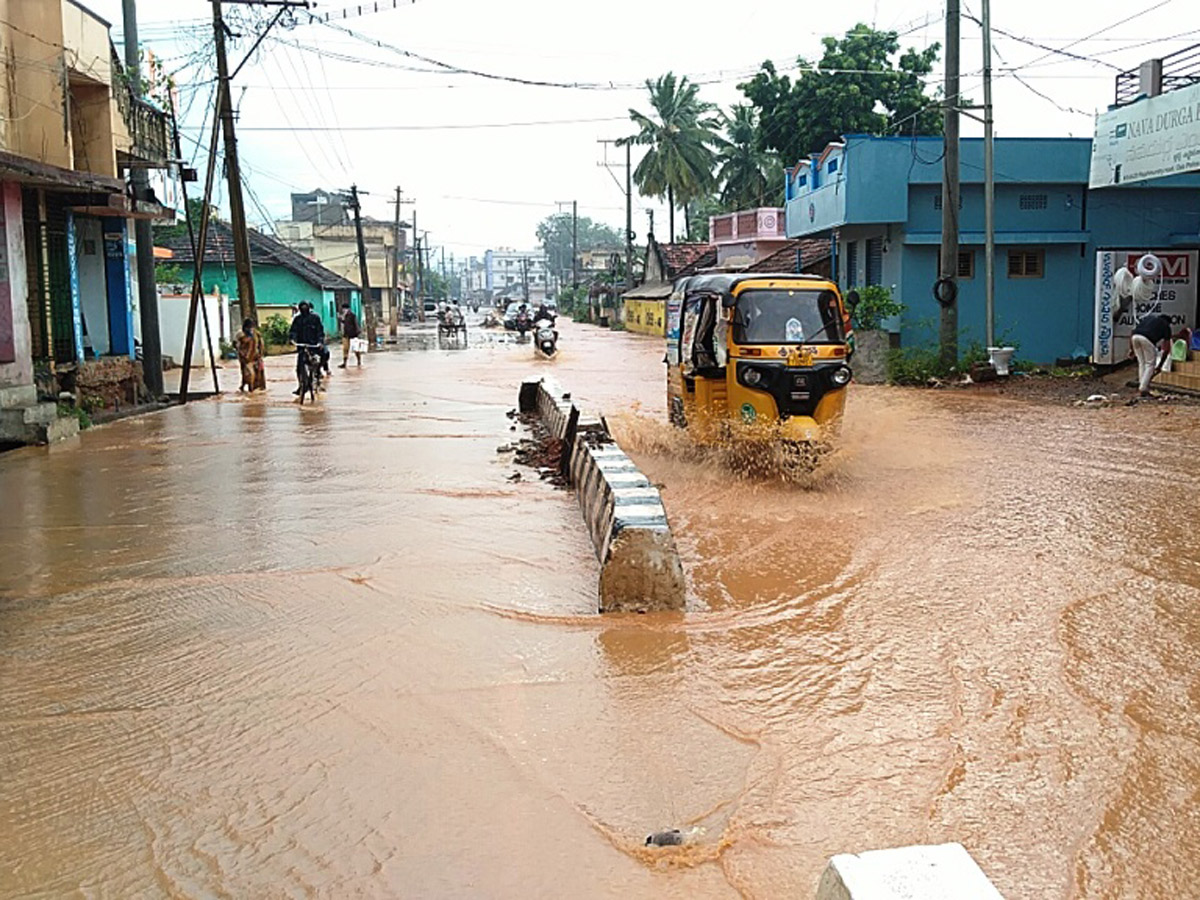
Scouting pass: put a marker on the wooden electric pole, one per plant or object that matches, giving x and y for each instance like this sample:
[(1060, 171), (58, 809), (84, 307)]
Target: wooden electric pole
[(364, 277), (233, 173), (946, 288)]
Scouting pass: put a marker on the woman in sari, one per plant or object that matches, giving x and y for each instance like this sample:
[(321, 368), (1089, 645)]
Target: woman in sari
[(250, 351)]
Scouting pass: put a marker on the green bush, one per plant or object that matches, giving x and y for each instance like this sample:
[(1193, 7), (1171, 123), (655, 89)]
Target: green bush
[(914, 365), (275, 330), (875, 303)]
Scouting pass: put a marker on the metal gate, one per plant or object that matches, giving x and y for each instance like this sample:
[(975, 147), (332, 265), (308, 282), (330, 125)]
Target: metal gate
[(874, 260), (48, 270)]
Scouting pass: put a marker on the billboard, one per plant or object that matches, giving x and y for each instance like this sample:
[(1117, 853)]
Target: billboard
[(1151, 138), (1176, 298)]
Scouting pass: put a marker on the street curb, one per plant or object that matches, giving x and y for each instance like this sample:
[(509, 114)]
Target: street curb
[(640, 569)]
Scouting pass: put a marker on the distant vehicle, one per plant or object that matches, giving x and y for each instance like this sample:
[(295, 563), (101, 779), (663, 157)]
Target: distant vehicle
[(510, 316), (430, 306)]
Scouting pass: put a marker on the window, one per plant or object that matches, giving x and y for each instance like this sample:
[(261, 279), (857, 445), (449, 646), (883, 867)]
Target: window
[(833, 165), (874, 261), (766, 316), (852, 264), (966, 264), (1026, 263), (801, 180), (1033, 201)]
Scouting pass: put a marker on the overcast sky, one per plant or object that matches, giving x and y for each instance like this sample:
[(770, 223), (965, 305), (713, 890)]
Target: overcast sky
[(488, 187)]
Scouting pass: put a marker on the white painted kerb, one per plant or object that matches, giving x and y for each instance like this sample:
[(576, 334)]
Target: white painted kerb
[(938, 872)]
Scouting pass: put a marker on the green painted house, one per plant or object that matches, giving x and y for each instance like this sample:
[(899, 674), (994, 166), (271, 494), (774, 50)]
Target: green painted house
[(282, 277)]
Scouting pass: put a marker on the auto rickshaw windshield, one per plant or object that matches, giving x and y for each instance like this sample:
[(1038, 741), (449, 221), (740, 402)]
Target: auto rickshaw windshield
[(782, 316)]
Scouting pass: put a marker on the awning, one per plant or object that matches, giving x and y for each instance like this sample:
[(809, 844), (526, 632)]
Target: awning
[(29, 171), (659, 290), (1003, 237), (122, 207)]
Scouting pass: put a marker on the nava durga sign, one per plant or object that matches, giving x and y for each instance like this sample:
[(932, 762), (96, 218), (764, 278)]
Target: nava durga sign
[(1152, 138)]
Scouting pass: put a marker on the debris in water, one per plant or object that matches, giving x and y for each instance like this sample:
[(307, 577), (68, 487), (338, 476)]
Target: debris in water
[(515, 476), (1095, 401), (670, 838)]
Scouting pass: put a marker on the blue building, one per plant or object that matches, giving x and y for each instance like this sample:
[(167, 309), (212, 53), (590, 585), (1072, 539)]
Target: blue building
[(879, 202)]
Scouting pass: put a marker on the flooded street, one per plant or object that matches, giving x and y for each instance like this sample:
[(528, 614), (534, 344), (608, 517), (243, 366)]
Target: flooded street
[(254, 650)]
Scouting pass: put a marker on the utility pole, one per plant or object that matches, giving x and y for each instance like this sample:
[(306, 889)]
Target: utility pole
[(989, 179), (364, 276), (395, 266), (628, 223), (233, 172), (628, 191), (152, 370), (525, 279), (574, 245), (946, 288)]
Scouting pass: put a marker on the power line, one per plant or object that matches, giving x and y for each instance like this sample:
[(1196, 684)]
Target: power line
[(452, 126)]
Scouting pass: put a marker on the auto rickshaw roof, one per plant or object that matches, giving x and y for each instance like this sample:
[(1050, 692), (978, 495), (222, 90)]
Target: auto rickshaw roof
[(725, 283)]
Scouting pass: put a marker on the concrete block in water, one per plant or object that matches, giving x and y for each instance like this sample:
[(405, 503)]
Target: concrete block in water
[(639, 563), (938, 872)]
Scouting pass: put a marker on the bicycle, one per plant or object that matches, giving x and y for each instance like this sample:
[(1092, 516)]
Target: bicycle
[(310, 372)]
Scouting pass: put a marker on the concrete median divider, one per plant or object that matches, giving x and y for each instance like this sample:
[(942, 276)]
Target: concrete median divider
[(623, 511), (934, 872)]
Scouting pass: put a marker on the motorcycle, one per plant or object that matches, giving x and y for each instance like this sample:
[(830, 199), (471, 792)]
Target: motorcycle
[(523, 324), (545, 336)]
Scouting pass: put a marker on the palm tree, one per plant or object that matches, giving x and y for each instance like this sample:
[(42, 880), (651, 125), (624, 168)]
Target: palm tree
[(748, 173), (679, 164)]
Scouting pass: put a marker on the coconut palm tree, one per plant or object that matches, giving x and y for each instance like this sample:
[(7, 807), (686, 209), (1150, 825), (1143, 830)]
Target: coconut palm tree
[(680, 135), (749, 176)]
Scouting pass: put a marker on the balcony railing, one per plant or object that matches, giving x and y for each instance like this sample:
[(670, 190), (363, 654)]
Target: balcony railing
[(766, 223), (147, 126)]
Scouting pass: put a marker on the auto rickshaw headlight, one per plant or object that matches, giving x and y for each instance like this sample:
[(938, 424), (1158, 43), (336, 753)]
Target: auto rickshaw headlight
[(841, 376), (751, 377)]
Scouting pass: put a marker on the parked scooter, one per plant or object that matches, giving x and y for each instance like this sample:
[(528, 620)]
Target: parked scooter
[(545, 337)]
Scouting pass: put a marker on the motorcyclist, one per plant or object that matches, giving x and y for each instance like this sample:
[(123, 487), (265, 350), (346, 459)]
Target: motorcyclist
[(523, 321), (543, 312), (307, 329)]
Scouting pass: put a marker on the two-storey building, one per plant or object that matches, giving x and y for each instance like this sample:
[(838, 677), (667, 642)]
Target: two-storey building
[(879, 203), (71, 132)]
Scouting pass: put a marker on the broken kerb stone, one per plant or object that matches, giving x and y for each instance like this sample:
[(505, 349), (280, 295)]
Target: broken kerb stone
[(938, 872), (639, 563)]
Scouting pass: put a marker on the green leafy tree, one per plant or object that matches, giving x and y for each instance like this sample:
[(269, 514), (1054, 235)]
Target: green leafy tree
[(680, 135), (859, 87), (699, 211), (750, 176), (554, 234)]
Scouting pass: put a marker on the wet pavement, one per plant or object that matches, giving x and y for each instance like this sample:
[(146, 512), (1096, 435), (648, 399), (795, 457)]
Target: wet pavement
[(249, 649)]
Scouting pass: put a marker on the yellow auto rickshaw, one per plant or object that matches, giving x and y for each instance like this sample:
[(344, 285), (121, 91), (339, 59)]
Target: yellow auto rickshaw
[(757, 357)]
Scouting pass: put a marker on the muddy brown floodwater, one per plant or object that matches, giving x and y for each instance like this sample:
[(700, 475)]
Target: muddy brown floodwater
[(252, 650)]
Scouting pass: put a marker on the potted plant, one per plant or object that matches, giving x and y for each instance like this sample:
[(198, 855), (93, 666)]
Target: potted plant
[(868, 310)]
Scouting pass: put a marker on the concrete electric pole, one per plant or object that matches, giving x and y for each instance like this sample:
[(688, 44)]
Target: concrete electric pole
[(946, 287), (152, 369)]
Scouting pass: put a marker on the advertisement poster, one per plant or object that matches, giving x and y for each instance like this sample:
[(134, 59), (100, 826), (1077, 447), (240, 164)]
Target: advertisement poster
[(1176, 298), (674, 312)]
